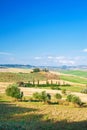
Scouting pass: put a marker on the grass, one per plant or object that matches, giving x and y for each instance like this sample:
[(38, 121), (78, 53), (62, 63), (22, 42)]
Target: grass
[(74, 79), (72, 88), (39, 116), (25, 77), (80, 73)]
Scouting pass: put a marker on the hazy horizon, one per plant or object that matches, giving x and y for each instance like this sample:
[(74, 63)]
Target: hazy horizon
[(48, 33)]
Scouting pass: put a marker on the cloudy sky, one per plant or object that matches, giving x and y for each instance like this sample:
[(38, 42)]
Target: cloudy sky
[(43, 32)]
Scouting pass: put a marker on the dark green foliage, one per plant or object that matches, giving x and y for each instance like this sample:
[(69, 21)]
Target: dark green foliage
[(21, 84), (74, 99), (69, 98), (45, 70), (55, 87), (58, 96), (14, 91), (36, 70), (37, 96), (43, 96)]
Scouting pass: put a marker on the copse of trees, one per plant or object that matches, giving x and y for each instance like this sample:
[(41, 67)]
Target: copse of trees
[(14, 91), (74, 99), (36, 70), (43, 96)]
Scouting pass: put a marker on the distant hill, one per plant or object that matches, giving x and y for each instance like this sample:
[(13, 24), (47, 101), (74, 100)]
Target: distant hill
[(63, 67), (16, 66)]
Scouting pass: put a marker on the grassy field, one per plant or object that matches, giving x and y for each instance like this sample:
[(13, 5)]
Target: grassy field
[(73, 88), (8, 77), (74, 79), (40, 116), (25, 77), (75, 72)]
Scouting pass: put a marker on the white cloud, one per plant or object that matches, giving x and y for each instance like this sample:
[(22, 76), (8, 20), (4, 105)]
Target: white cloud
[(37, 58), (67, 62), (85, 50), (50, 57), (5, 53), (59, 57)]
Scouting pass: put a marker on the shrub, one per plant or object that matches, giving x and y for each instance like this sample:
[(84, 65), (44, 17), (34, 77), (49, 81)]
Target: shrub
[(36, 70), (76, 100), (63, 91), (14, 91), (37, 95), (69, 98), (73, 99), (58, 96), (21, 84), (43, 96), (84, 91)]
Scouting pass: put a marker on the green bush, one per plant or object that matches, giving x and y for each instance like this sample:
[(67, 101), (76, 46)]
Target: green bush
[(58, 96), (43, 96), (36, 70), (21, 84), (37, 96), (69, 98), (73, 99), (76, 100), (14, 91)]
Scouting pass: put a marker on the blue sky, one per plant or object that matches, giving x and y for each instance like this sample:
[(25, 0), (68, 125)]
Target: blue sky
[(43, 32)]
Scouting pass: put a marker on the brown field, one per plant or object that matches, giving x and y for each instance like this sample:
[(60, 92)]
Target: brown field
[(15, 70)]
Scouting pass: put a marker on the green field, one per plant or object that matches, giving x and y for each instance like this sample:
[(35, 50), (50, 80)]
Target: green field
[(74, 79), (40, 116), (75, 72)]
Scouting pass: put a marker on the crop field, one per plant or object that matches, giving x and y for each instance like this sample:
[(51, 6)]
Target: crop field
[(74, 79), (40, 116), (79, 73), (16, 77)]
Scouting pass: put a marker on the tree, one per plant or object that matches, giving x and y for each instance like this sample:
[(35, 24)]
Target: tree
[(46, 97), (58, 96), (43, 96), (36, 70), (14, 91), (74, 99)]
